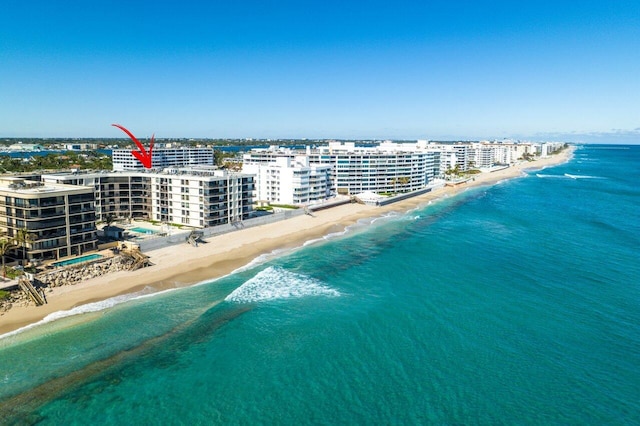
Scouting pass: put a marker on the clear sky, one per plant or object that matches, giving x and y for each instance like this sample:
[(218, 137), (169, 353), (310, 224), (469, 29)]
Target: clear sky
[(561, 70)]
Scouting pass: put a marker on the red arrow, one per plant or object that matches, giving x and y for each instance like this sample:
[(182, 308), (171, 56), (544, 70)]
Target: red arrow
[(143, 156)]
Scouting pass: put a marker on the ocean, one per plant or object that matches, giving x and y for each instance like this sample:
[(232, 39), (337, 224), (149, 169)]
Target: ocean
[(517, 303)]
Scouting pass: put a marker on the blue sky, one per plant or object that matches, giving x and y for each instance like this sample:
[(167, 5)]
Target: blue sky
[(561, 70)]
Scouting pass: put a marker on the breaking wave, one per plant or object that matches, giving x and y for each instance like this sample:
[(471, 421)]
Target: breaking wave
[(277, 283), (581, 176), (566, 176)]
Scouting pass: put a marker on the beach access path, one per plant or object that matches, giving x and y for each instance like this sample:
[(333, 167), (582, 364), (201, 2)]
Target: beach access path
[(183, 265)]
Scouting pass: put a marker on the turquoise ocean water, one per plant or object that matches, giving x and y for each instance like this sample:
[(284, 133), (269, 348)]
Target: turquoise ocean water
[(512, 304)]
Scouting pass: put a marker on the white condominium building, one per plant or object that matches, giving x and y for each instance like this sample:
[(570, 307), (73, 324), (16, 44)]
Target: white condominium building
[(201, 197), (482, 156), (195, 196), (388, 167), (453, 155), (287, 180), (162, 157), (487, 154)]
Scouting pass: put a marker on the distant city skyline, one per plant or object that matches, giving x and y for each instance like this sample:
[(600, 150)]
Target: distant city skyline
[(438, 70)]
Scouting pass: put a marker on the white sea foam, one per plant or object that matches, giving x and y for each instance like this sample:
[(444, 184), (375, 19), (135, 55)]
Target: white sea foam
[(327, 237), (391, 215), (259, 260), (581, 176), (540, 175), (277, 283), (83, 309), (566, 176)]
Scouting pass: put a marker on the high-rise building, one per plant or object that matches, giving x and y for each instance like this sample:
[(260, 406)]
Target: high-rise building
[(291, 181), (389, 167)]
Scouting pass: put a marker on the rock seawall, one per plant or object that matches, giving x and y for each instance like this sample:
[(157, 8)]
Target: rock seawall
[(68, 276), (74, 275)]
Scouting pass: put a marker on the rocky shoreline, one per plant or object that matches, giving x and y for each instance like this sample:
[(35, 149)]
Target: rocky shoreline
[(71, 275)]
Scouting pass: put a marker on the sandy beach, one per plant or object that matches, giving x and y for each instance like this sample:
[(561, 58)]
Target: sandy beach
[(182, 265)]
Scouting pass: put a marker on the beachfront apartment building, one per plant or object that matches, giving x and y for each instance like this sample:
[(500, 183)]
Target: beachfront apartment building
[(488, 154), (452, 155), (289, 180), (482, 156), (505, 153), (392, 167), (199, 196), (59, 220), (163, 156), (386, 168), (119, 194)]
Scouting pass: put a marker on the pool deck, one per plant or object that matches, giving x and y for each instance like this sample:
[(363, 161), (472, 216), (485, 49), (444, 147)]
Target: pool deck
[(133, 236), (51, 264)]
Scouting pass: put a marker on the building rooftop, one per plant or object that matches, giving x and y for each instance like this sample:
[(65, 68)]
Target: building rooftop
[(25, 186)]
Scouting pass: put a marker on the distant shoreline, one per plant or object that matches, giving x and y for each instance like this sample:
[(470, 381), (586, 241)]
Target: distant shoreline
[(185, 265)]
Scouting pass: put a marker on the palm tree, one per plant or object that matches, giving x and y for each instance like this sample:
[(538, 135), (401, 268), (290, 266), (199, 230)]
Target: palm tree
[(109, 219), (404, 180), (5, 246), (23, 239)]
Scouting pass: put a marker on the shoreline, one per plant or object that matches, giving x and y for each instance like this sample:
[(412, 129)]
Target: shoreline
[(183, 265)]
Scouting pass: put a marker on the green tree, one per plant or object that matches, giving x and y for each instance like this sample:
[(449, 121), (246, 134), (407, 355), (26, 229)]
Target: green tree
[(109, 219), (5, 246), (404, 180), (23, 239)]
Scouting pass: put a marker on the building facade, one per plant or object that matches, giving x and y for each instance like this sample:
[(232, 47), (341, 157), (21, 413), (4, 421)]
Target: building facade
[(162, 157), (386, 168), (59, 220), (197, 196), (291, 181)]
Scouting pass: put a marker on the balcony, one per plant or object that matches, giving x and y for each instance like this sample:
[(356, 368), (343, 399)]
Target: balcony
[(74, 199), (83, 218), (51, 203), (47, 235), (83, 239), (33, 226), (76, 210), (77, 231)]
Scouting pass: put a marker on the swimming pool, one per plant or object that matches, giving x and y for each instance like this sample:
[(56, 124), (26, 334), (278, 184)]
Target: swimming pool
[(79, 259), (140, 230)]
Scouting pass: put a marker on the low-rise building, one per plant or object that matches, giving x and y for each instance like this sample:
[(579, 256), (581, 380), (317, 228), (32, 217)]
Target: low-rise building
[(48, 220), (162, 157)]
